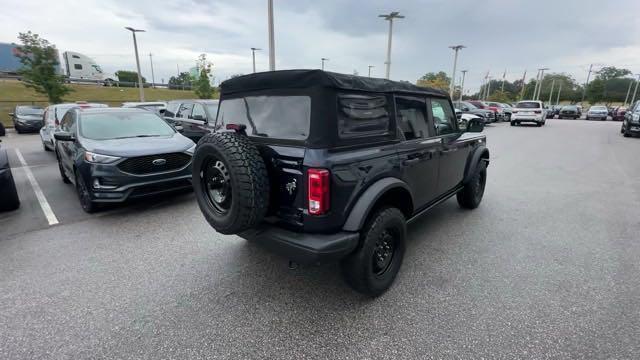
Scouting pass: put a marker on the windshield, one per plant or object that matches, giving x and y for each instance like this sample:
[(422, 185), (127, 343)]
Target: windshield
[(120, 125), (469, 105), (280, 117), (528, 105), (29, 111)]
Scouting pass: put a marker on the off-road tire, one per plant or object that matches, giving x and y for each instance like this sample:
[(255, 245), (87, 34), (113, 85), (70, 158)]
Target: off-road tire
[(471, 195), (358, 268), (9, 195), (248, 179)]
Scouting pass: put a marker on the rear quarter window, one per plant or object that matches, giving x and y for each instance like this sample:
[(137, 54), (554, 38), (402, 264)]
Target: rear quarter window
[(362, 115)]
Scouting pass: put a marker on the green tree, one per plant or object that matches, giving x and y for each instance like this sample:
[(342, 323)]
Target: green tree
[(612, 72), (203, 88), (596, 91), (501, 96), (40, 61), (129, 78), (183, 79), (438, 80)]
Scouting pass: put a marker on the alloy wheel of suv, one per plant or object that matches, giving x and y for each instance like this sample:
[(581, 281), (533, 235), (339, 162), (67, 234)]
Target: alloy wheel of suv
[(83, 194)]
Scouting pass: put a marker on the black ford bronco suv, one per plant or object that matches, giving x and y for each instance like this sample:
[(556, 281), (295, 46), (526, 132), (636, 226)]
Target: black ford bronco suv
[(324, 167)]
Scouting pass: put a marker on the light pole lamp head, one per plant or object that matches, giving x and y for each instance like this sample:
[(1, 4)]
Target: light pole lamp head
[(134, 30), (255, 49), (457, 47), (392, 15)]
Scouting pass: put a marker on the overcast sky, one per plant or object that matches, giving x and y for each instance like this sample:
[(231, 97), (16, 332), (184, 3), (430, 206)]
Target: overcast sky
[(564, 35)]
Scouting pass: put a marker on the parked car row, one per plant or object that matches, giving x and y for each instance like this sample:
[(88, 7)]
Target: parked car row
[(631, 120)]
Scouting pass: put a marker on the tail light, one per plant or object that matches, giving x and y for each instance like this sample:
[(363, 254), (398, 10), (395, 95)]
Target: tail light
[(538, 111), (318, 195)]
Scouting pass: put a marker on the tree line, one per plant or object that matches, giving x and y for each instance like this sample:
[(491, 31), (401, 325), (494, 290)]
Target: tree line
[(609, 85)]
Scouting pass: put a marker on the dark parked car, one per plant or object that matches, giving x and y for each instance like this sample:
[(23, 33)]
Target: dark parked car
[(114, 154), (8, 193), (193, 118), (468, 108), (324, 167), (569, 112), (483, 105), (631, 122), (618, 113), (27, 118)]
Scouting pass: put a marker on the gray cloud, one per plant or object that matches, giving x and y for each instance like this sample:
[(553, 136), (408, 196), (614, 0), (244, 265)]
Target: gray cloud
[(512, 35)]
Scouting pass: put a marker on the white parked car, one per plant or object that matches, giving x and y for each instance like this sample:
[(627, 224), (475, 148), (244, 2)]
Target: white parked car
[(156, 106), (597, 112), (529, 111), (52, 116)]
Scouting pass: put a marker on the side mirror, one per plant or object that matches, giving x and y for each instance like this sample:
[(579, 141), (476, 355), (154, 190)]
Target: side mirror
[(64, 136), (475, 125)]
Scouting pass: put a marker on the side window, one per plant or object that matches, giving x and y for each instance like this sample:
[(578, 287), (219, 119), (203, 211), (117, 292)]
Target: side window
[(72, 122), (198, 113), (66, 121), (444, 119), (77, 66), (362, 116), (411, 118), (184, 111), (172, 109)]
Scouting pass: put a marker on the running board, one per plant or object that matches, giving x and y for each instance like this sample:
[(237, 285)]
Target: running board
[(435, 203)]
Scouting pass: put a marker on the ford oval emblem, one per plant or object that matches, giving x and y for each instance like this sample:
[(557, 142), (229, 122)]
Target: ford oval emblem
[(159, 162)]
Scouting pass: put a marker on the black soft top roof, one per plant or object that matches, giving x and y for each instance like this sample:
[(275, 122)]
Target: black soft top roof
[(296, 79)]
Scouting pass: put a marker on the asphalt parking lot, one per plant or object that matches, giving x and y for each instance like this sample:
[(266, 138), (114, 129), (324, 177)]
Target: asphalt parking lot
[(546, 267)]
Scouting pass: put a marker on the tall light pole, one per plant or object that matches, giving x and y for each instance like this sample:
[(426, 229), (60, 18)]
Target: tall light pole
[(504, 76), (135, 46), (635, 90), (323, 60), (370, 67), (272, 41), (389, 17), (584, 90), (253, 55), (464, 73), (559, 91), (455, 48), (626, 98), (488, 88), (541, 80), (153, 77), (535, 87), (553, 84), (524, 78)]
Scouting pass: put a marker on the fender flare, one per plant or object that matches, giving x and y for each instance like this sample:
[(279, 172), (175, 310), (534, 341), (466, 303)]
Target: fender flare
[(473, 160), (366, 201)]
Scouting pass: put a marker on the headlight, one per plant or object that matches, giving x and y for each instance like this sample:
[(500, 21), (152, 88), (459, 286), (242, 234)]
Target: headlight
[(99, 158), (635, 117), (191, 150)]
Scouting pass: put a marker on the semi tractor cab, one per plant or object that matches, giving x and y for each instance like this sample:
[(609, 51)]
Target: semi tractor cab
[(82, 67)]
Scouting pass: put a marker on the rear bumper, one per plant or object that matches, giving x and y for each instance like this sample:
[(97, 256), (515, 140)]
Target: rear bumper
[(528, 118), (304, 248)]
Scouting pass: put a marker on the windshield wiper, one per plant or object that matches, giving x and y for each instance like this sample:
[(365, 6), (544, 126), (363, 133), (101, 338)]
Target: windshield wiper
[(135, 136)]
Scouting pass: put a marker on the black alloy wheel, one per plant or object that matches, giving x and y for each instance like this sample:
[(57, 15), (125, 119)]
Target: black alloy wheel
[(83, 194)]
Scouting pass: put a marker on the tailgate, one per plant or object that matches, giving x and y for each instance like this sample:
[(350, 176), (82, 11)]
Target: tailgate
[(286, 176)]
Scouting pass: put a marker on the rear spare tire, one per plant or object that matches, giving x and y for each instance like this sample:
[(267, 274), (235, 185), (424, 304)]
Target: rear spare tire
[(230, 181)]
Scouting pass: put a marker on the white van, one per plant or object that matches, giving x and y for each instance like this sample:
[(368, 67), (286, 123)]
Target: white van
[(531, 111)]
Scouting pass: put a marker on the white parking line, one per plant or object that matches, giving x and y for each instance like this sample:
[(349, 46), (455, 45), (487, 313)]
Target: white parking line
[(44, 204)]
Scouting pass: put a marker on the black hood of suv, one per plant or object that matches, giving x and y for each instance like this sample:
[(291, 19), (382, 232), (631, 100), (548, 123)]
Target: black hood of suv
[(139, 146)]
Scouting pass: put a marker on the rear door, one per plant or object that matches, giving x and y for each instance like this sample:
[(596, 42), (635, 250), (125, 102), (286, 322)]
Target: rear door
[(453, 153), (195, 125), (418, 153), (183, 112)]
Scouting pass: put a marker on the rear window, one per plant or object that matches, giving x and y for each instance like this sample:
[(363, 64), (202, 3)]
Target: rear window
[(362, 115), (528, 105), (278, 117)]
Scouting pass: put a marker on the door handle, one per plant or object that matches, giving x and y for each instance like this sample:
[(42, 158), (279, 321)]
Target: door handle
[(411, 161), (448, 150)]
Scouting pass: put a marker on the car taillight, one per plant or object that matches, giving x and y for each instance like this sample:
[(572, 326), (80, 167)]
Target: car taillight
[(318, 195), (538, 111)]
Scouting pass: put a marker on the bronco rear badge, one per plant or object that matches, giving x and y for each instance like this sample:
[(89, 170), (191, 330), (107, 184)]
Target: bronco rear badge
[(291, 186)]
